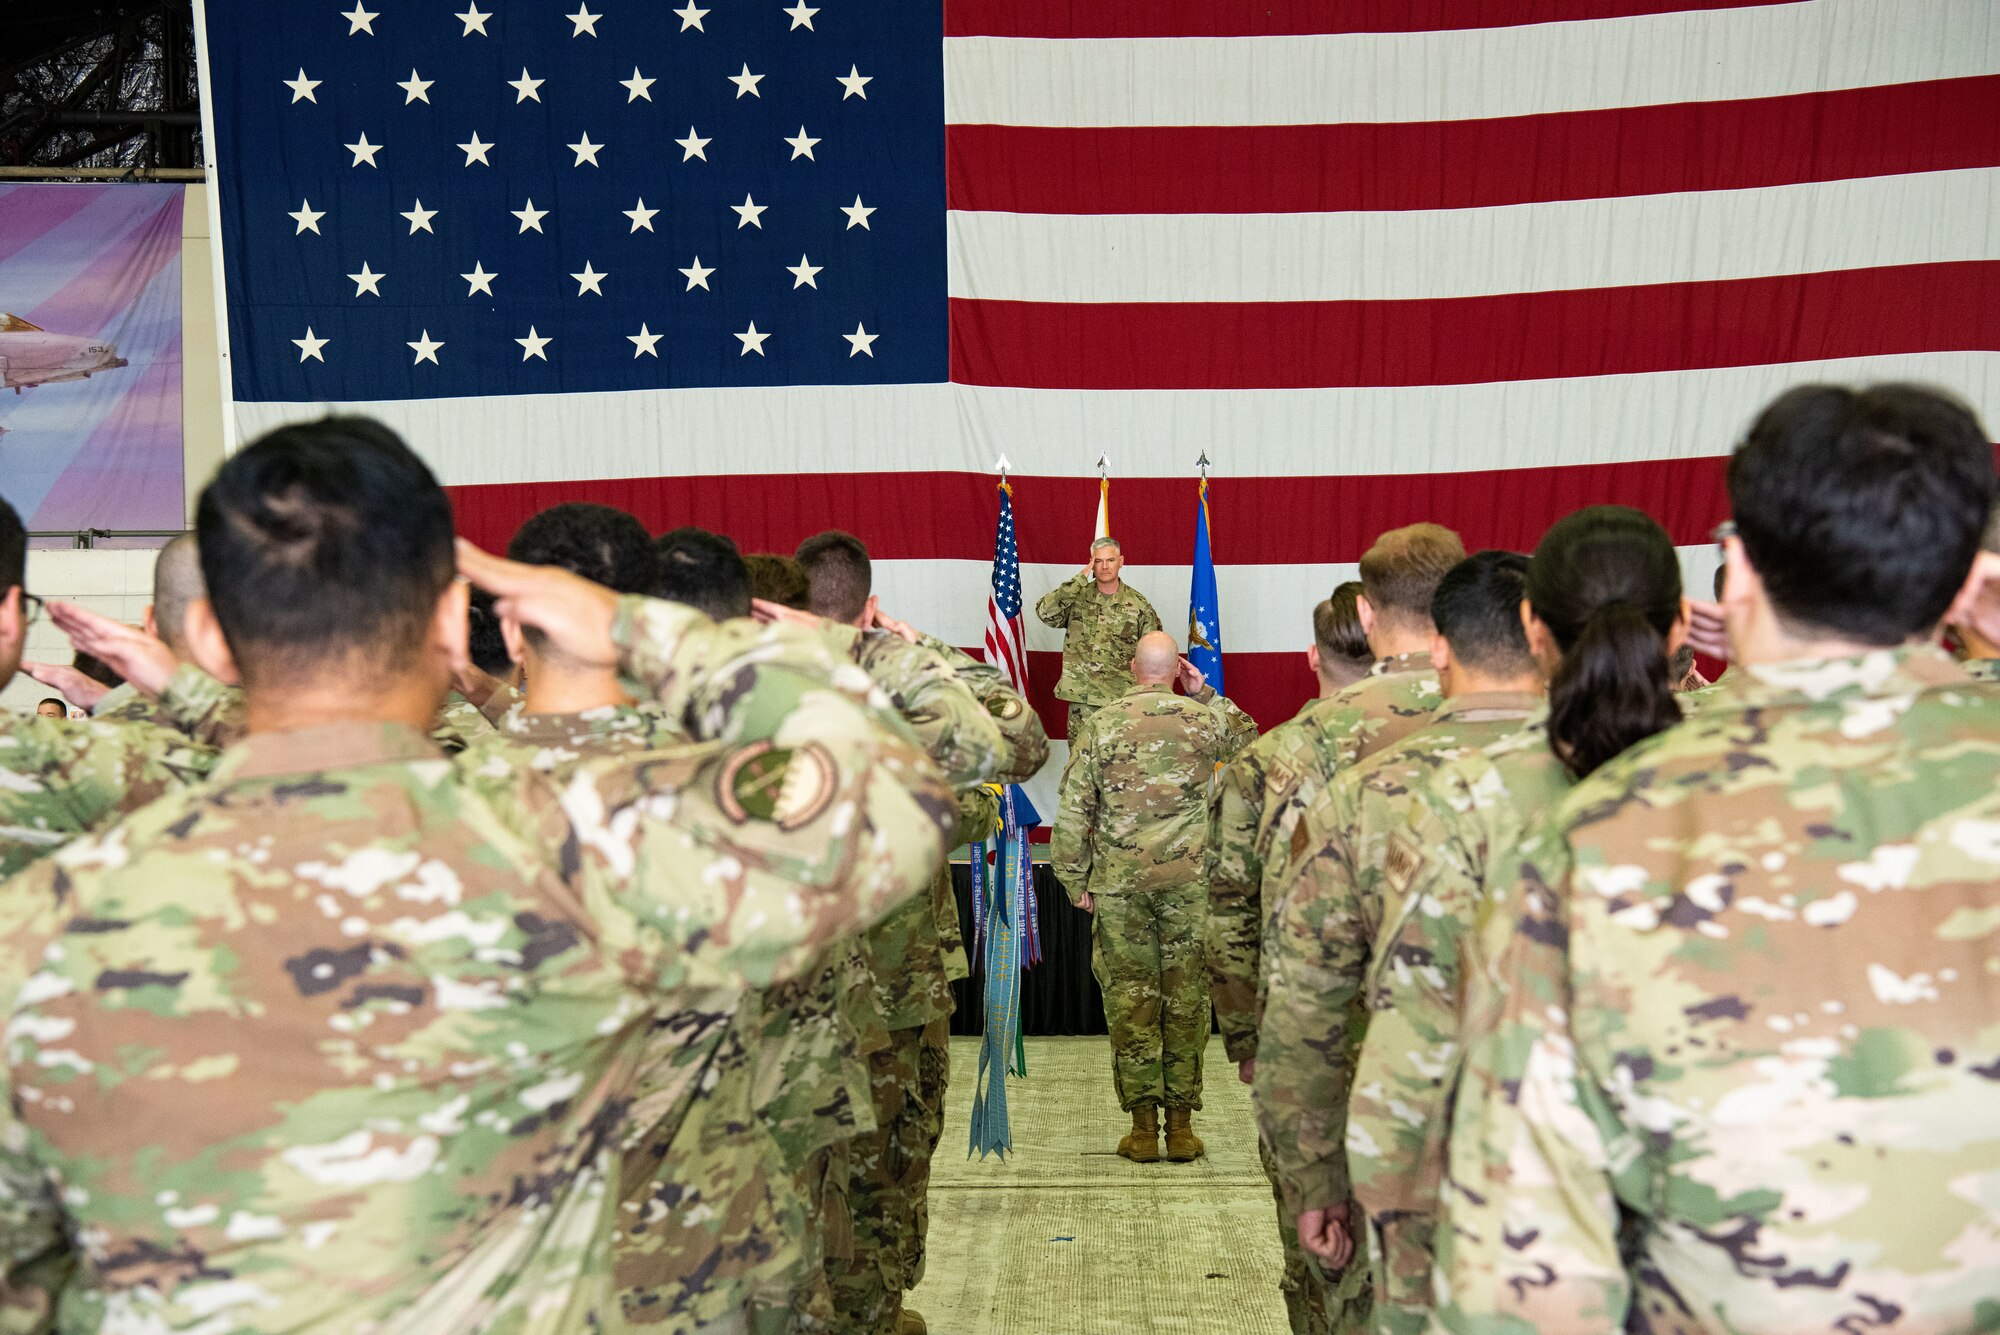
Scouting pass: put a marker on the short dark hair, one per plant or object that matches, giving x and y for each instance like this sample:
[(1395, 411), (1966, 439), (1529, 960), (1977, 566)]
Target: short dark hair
[(325, 541), (52, 700), (1337, 625), (778, 579), (599, 542), (95, 668), (1477, 608), (1607, 584), (836, 566), (1400, 573), (1861, 510), (483, 639), (702, 569), (13, 550)]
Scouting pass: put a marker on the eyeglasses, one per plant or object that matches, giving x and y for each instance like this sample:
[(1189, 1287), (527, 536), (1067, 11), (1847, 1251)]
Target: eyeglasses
[(33, 606)]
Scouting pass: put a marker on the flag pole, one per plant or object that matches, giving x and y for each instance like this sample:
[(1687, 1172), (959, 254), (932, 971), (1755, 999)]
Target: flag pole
[(1103, 496)]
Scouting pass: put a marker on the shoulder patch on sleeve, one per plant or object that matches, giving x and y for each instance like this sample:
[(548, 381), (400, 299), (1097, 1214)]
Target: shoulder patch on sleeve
[(1401, 861), (788, 786), (1005, 706)]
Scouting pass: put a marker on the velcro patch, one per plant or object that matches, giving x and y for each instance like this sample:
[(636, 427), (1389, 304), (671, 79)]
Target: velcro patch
[(1401, 862), (788, 786)]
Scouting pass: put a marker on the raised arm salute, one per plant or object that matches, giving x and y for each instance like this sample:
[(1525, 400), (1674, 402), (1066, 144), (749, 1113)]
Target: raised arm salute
[(404, 999), (1103, 618)]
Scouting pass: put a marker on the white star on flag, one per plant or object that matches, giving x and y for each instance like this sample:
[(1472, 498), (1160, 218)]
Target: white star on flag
[(302, 87), (694, 146), (475, 150), (749, 213), (532, 345), (360, 20), (530, 216), (420, 218), (803, 273), (640, 215), (638, 86), (585, 151), (802, 145), (857, 215), (526, 86), (475, 21), (416, 88), (802, 17), (746, 82), (697, 276), (479, 280), (860, 341), (855, 82), (642, 343), (585, 21), (310, 346), (426, 349), (752, 341), (691, 17), (307, 218), (367, 281), (589, 280), (363, 151)]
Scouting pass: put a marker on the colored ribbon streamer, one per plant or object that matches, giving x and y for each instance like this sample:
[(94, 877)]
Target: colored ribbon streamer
[(1005, 924)]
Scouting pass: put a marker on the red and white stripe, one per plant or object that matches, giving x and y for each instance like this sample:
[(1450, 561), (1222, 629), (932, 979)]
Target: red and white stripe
[(1477, 261), (1003, 646)]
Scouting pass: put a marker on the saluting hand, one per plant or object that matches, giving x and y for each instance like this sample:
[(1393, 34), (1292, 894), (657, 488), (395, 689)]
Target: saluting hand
[(574, 613), (81, 691), (142, 659), (1191, 679), (1707, 631)]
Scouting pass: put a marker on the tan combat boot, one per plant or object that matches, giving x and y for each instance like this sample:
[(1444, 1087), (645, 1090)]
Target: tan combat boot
[(1182, 1143), (910, 1323), (1142, 1143)]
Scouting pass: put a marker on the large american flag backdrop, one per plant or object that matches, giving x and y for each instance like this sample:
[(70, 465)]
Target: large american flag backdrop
[(774, 269)]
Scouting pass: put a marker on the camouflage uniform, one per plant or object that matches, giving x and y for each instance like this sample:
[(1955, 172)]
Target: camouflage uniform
[(1744, 1072), (348, 1037), (1100, 635), (711, 1219), (1391, 702), (1132, 833), (979, 808), (461, 723), (908, 1059), (1343, 946), (59, 779), (1236, 917)]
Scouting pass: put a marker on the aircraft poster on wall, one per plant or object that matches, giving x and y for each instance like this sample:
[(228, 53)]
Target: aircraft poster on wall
[(90, 355)]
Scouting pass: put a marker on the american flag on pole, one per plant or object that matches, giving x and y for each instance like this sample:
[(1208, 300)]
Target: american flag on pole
[(1004, 636), (774, 268)]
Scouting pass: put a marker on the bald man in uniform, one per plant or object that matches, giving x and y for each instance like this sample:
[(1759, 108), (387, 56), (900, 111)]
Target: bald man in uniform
[(1129, 847)]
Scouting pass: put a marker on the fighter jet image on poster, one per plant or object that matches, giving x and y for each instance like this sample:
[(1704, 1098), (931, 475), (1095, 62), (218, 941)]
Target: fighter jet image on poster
[(31, 355)]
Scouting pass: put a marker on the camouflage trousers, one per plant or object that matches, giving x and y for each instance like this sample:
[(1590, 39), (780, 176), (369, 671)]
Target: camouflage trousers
[(805, 1307), (1305, 1295), (888, 1182), (1146, 951)]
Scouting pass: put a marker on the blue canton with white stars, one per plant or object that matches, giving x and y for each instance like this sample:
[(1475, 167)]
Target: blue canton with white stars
[(1006, 563), (490, 197)]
